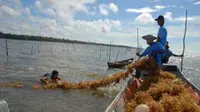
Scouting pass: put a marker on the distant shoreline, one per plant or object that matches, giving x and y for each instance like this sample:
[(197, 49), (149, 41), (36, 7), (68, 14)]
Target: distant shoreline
[(51, 39)]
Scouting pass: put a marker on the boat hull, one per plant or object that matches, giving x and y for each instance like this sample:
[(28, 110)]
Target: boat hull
[(119, 64)]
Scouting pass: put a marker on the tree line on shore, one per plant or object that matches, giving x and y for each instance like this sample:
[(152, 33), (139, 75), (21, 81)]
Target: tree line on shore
[(51, 39)]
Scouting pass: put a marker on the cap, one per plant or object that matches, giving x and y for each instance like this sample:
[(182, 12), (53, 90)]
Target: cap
[(160, 18)]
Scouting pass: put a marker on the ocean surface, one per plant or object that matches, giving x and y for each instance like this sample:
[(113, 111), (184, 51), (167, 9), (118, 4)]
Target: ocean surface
[(29, 60)]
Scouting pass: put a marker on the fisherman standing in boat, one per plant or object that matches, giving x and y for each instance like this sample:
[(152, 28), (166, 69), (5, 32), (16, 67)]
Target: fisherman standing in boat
[(162, 32)]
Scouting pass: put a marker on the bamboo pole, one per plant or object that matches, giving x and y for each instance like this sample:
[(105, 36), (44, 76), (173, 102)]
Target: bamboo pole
[(62, 47), (117, 56), (32, 49), (38, 49), (100, 53), (184, 40), (137, 41), (110, 51), (67, 47), (6, 46)]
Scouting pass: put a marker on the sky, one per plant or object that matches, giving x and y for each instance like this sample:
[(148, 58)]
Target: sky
[(103, 21)]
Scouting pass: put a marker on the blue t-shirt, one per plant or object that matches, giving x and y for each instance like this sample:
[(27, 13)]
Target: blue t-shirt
[(155, 47), (162, 33)]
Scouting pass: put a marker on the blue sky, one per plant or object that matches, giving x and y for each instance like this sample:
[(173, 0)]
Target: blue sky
[(103, 20)]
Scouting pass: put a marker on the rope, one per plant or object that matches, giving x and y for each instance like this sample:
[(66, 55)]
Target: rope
[(184, 41)]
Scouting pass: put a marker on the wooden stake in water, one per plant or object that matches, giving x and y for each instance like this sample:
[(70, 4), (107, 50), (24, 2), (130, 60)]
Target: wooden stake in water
[(6, 46), (184, 41), (67, 47), (110, 51), (38, 49), (32, 49), (100, 53), (117, 56), (137, 41), (62, 48), (51, 49)]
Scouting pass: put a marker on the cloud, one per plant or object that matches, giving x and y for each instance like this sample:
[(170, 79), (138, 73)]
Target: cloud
[(188, 18), (168, 15), (26, 11), (9, 11), (113, 7), (49, 12), (141, 10), (38, 5), (105, 29), (197, 3), (144, 18), (103, 10), (66, 9), (159, 7), (97, 25)]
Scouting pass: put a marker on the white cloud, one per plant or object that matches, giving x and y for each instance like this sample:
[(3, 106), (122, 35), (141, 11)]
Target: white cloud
[(159, 7), (9, 11), (38, 5), (103, 10), (197, 3), (97, 25), (66, 9), (49, 12), (113, 7), (141, 10), (188, 18), (26, 11), (177, 31), (144, 18), (105, 29), (168, 15)]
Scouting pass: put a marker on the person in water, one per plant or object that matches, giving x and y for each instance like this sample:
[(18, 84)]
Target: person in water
[(53, 77), (168, 54), (155, 49), (162, 32)]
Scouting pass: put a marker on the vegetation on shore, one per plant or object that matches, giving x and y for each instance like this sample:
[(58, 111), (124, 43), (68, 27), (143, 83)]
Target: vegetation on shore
[(51, 39)]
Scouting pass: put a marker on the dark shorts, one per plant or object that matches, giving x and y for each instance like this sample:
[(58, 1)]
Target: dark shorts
[(164, 60)]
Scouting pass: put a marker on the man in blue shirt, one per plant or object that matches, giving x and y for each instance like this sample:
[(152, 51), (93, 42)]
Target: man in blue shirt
[(162, 32), (155, 49)]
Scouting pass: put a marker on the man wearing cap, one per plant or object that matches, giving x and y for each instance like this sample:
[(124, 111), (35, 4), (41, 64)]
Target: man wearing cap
[(162, 32)]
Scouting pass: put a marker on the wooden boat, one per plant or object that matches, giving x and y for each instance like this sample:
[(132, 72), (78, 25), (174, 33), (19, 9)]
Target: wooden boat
[(118, 103), (119, 64)]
